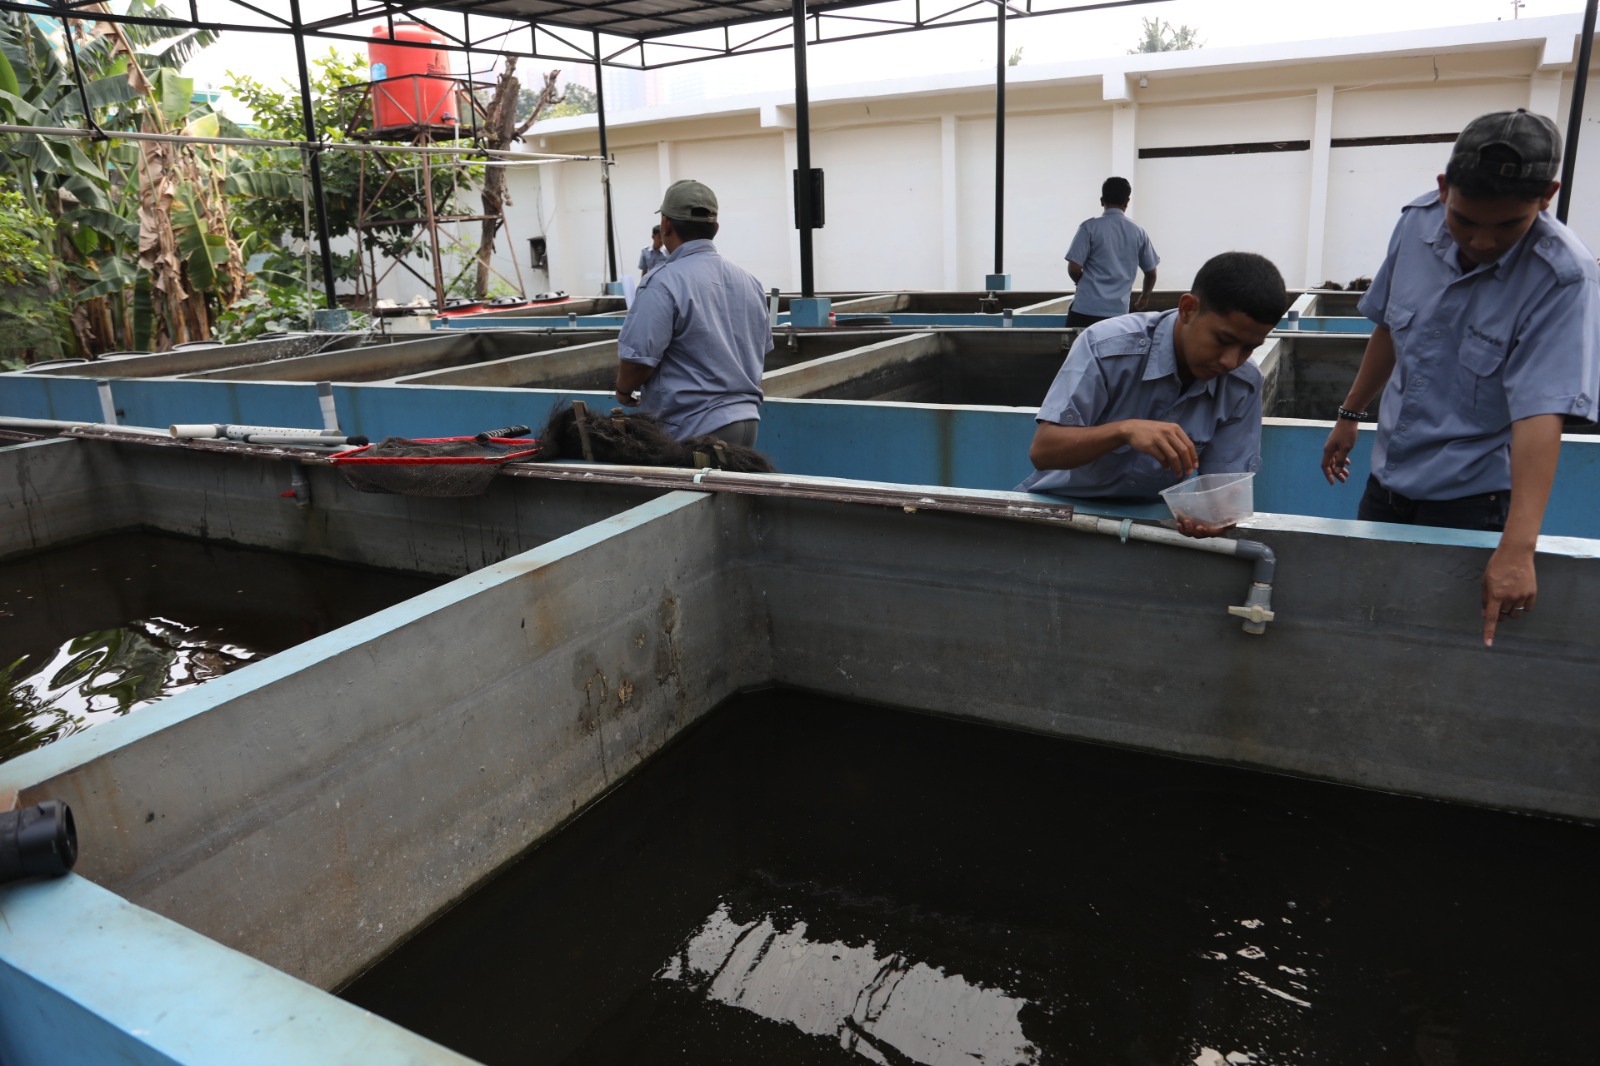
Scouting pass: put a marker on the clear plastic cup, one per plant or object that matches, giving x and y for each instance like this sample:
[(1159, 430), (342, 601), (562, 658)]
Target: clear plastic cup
[(1215, 499)]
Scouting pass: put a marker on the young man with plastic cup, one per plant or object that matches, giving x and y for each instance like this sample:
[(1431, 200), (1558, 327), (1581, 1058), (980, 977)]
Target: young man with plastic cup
[(1146, 399)]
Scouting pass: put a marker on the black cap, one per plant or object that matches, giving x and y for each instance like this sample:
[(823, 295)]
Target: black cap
[(1533, 138)]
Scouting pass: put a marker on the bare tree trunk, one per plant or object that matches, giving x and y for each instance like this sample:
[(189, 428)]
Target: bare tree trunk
[(500, 131)]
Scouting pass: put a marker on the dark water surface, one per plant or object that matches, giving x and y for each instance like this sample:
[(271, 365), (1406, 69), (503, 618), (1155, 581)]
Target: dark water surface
[(103, 627), (805, 880)]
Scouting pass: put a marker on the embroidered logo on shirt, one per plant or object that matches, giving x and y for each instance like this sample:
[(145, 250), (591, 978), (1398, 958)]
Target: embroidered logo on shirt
[(1479, 335)]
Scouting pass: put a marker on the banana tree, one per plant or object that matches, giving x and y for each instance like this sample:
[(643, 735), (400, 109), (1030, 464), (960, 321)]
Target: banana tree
[(145, 251)]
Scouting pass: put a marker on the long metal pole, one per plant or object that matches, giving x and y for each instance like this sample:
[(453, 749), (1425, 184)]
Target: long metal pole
[(1000, 140), (605, 161), (802, 152), (1580, 84), (309, 122), (513, 158)]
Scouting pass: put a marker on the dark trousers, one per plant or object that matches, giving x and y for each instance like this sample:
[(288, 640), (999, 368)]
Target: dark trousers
[(1078, 320), (1486, 512), (741, 433)]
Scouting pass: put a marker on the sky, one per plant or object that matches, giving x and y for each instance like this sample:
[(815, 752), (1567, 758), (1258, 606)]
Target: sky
[(1056, 38)]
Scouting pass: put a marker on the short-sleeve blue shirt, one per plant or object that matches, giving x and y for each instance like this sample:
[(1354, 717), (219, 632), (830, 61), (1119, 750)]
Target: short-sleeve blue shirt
[(702, 323), (1477, 350), (651, 257), (1126, 368), (1109, 248)]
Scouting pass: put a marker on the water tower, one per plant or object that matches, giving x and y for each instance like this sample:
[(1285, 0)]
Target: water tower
[(413, 98)]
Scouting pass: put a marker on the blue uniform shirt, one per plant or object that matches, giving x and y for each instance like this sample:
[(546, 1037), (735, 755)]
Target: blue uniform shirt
[(1126, 368), (1109, 249), (651, 257), (1477, 350), (702, 323)]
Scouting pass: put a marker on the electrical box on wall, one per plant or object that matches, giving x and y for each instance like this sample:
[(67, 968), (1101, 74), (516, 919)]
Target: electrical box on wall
[(815, 198), (538, 254)]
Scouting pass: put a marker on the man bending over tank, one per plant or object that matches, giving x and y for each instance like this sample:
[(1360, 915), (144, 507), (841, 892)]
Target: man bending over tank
[(696, 339), (1146, 399), (1486, 340)]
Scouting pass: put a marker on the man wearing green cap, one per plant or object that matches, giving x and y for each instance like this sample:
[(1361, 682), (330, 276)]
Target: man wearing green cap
[(694, 344), (1487, 339)]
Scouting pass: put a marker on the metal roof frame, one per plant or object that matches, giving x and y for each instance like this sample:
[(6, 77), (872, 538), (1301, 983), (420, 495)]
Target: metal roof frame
[(644, 24)]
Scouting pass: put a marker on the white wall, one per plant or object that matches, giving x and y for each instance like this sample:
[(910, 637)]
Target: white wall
[(910, 164)]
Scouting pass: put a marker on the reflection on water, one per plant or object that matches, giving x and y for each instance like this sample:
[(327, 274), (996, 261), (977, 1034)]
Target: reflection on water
[(107, 672), (804, 881), (98, 629), (873, 1006)]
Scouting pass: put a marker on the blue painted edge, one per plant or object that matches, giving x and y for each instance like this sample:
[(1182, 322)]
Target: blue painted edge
[(809, 312), (132, 986), (905, 443), (75, 751)]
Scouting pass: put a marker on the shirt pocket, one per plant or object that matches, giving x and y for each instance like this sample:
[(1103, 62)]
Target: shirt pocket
[(1480, 373), (1398, 318)]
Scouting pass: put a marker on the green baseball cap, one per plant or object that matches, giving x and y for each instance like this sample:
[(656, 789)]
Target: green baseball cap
[(689, 201), (1534, 138)]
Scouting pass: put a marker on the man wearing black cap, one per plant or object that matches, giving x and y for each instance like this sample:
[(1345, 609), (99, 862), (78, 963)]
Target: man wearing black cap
[(695, 341), (1487, 339)]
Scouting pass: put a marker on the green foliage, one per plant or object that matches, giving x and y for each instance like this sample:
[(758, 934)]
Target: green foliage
[(32, 312), (1015, 58), (1161, 36), (81, 197), (22, 255), (265, 309), (576, 100)]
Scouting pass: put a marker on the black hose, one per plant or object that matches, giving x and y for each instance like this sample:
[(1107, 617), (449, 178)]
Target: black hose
[(37, 841)]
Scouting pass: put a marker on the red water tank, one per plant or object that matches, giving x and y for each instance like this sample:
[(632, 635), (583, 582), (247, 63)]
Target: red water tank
[(411, 86)]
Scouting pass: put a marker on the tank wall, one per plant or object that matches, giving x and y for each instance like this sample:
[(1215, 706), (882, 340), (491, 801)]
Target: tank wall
[(56, 491), (335, 798), (1080, 635), (586, 366), (901, 365), (378, 363)]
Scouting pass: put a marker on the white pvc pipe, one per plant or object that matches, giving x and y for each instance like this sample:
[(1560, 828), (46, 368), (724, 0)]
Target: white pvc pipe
[(232, 432), (56, 425)]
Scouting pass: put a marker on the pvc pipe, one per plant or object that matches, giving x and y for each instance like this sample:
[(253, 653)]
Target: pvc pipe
[(231, 432), (56, 425)]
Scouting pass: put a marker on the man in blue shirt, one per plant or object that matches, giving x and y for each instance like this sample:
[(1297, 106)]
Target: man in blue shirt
[(1146, 399), (1487, 339), (695, 341), (653, 256), (1104, 254)]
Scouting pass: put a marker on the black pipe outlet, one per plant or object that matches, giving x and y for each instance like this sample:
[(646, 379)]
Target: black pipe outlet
[(37, 841)]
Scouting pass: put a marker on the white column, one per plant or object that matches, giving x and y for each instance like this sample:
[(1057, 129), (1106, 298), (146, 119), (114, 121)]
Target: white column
[(951, 205), (1544, 94), (791, 160), (1116, 89), (664, 164), (1317, 207)]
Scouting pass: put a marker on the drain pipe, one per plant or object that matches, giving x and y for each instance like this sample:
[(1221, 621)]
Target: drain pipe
[(50, 426), (1257, 608)]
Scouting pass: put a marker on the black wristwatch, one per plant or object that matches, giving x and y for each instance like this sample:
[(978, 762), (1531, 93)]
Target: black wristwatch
[(1347, 415)]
